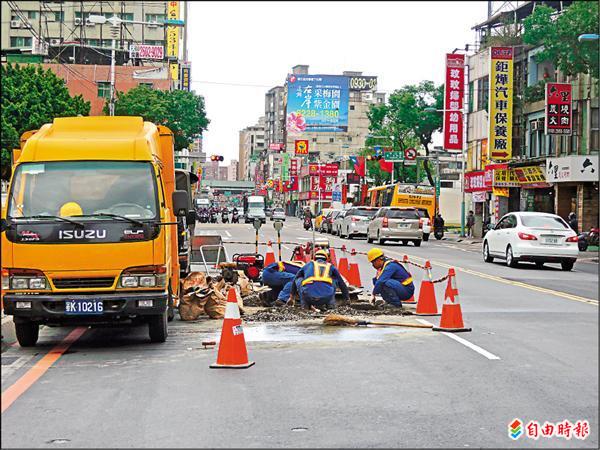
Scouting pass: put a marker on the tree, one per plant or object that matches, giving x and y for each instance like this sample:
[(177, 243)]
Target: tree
[(31, 97), (182, 111), (405, 118), (558, 34)]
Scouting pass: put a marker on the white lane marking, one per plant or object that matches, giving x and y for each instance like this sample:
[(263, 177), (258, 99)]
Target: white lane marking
[(228, 233), (464, 342), (285, 246)]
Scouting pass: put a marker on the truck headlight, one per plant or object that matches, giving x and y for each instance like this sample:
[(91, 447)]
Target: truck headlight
[(24, 279), (144, 277), (19, 283), (129, 281), (148, 281), (37, 283)]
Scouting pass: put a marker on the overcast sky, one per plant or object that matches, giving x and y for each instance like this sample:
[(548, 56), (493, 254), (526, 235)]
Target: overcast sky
[(239, 50)]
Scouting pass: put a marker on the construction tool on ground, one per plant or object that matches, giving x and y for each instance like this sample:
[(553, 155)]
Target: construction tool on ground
[(337, 320)]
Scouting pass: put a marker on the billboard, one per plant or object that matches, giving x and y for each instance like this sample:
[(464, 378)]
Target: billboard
[(185, 78), (360, 83), (559, 114), (453, 101), (301, 146), (501, 103), (173, 32), (317, 103), (143, 51)]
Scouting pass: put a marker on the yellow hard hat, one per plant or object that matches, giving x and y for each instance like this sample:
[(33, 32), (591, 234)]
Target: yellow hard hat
[(374, 253), (70, 209), (321, 253)]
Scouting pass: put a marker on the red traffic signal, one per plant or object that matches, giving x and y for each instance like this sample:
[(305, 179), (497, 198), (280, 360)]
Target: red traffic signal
[(216, 158)]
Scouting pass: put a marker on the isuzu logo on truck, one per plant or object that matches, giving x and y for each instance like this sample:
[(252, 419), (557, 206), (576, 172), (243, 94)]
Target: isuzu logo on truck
[(81, 234)]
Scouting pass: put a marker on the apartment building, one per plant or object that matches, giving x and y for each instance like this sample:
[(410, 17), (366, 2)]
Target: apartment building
[(251, 148)]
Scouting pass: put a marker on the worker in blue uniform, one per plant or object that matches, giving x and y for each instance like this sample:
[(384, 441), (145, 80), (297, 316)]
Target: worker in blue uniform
[(317, 282), (279, 276), (392, 282)]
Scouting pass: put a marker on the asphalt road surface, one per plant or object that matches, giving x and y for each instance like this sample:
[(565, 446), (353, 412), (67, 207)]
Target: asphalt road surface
[(532, 355)]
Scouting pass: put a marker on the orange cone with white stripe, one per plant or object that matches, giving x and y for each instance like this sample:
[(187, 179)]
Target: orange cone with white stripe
[(411, 300), (332, 258), (353, 272), (427, 305), (451, 313), (232, 346), (343, 266), (270, 256)]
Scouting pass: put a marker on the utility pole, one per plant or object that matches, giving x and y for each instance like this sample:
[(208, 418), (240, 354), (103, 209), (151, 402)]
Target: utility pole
[(185, 30), (114, 30)]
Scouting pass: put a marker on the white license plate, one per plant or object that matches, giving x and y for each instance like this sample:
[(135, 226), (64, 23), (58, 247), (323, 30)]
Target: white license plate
[(404, 225), (551, 240), (79, 307)]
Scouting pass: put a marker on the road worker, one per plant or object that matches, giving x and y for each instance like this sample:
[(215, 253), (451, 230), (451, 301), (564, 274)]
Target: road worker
[(392, 282), (317, 282), (279, 276)]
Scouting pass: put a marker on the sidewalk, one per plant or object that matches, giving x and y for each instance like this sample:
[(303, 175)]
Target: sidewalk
[(455, 238)]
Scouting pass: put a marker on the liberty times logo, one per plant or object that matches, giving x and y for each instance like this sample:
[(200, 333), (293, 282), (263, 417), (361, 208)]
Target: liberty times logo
[(515, 429)]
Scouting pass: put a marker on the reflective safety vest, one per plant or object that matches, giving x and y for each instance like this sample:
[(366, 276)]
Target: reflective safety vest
[(282, 264), (380, 271), (321, 274)]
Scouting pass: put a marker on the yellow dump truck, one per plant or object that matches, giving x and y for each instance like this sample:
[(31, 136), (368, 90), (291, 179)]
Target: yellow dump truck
[(89, 230)]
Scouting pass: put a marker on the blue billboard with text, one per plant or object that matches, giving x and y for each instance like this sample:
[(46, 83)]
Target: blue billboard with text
[(317, 103)]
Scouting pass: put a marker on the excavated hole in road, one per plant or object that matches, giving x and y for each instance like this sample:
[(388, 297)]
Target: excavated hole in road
[(295, 313)]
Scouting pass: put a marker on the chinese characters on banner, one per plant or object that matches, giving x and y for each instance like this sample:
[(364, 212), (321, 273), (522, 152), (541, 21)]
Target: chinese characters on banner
[(501, 103), (478, 181), (185, 78), (558, 108), (453, 102), (285, 167), (173, 32), (301, 146)]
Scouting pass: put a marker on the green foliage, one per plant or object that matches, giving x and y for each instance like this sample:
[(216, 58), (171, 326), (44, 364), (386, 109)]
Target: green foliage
[(31, 97), (182, 111), (535, 93), (558, 34), (405, 123)]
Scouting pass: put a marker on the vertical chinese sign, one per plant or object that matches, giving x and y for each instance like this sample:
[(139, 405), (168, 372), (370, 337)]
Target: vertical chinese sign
[(172, 31), (558, 108), (301, 146), (501, 103), (453, 101)]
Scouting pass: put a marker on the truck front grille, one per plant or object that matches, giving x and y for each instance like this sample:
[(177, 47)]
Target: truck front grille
[(76, 283)]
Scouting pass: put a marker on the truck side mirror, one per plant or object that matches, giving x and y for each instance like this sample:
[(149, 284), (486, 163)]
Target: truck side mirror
[(4, 225), (180, 203), (191, 216)]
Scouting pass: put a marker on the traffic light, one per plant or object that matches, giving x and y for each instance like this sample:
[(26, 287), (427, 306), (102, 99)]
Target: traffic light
[(216, 158)]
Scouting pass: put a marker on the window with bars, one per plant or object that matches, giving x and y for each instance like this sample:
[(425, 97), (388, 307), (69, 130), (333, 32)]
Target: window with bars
[(483, 92), (20, 42), (126, 16), (595, 130), (158, 18), (103, 89)]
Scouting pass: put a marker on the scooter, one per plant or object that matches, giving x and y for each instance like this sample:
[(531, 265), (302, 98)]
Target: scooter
[(438, 233), (203, 216), (213, 217), (235, 217), (308, 223), (585, 239), (225, 216)]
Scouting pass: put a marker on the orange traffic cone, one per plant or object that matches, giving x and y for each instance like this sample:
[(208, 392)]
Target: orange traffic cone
[(232, 346), (353, 273), (451, 313), (427, 305), (270, 256), (332, 258), (343, 266), (411, 300)]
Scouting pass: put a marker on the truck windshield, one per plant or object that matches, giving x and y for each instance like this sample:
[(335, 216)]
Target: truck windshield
[(72, 188), (257, 205)]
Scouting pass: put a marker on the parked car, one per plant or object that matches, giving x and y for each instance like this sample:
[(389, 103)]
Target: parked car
[(278, 214), (393, 223), (320, 218), (356, 220), (425, 222), (531, 236), (337, 222), (327, 224)]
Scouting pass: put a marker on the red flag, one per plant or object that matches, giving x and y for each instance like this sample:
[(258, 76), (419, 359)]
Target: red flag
[(386, 166), (359, 167)]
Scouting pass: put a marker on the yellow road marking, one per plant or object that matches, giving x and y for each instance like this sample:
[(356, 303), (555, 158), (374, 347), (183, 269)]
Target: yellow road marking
[(576, 298)]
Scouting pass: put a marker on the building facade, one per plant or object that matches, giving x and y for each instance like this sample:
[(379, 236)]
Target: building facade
[(251, 149), (275, 118)]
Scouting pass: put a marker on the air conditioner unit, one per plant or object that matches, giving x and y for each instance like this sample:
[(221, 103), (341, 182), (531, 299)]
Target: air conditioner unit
[(367, 96), (89, 23), (15, 24), (54, 41), (78, 21)]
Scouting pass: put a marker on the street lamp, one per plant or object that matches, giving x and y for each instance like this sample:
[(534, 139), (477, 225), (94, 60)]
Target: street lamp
[(463, 164), (588, 37), (115, 26)]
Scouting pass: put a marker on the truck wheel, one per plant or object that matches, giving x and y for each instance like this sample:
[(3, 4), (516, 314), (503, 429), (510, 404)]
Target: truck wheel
[(27, 333), (157, 327)]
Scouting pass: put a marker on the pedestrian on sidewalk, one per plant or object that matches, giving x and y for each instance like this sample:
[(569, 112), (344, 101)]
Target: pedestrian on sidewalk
[(572, 220), (470, 223), (392, 282)]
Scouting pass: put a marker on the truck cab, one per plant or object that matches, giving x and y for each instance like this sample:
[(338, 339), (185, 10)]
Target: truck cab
[(89, 229)]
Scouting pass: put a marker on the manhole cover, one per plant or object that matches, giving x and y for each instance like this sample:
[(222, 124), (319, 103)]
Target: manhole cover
[(58, 441), (8, 360)]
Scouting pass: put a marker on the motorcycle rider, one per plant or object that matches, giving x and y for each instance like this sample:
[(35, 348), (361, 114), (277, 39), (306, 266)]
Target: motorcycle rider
[(438, 225)]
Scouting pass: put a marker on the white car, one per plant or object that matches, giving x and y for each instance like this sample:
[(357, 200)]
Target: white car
[(278, 214), (356, 220), (531, 236)]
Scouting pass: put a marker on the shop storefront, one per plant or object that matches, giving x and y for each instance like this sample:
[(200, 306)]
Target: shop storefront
[(316, 186), (479, 185)]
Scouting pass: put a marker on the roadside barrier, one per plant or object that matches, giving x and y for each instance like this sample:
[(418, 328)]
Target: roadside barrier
[(343, 266), (451, 312), (232, 345), (427, 305), (353, 272), (270, 255)]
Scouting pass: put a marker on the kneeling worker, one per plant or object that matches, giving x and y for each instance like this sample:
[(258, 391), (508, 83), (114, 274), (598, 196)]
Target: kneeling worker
[(279, 276), (392, 282), (317, 281)]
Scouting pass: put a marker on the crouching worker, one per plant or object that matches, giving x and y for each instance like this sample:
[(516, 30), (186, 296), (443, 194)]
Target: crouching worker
[(392, 282), (279, 276), (317, 281)]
